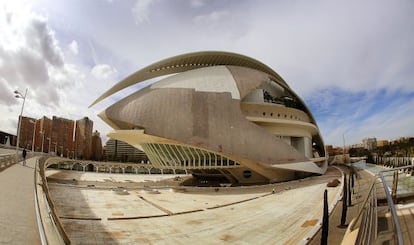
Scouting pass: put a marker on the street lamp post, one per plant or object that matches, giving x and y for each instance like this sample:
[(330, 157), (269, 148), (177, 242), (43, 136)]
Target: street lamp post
[(19, 96), (50, 141), (34, 133), (43, 138)]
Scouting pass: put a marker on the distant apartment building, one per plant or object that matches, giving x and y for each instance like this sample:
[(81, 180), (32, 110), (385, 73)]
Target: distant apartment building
[(116, 150), (60, 136), (27, 131), (4, 137), (96, 147), (382, 143), (83, 138), (356, 146), (370, 143), (329, 150), (43, 131)]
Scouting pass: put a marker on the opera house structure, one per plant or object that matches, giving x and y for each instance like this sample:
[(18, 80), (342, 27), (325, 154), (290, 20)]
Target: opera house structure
[(223, 117)]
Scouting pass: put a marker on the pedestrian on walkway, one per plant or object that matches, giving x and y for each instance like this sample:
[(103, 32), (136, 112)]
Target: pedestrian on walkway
[(24, 153)]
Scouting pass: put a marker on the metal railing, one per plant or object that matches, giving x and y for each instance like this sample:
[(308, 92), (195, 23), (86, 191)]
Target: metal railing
[(367, 218), (391, 193), (42, 165)]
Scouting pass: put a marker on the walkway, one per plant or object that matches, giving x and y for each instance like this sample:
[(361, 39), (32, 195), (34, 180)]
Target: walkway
[(97, 213), (337, 232), (18, 223)]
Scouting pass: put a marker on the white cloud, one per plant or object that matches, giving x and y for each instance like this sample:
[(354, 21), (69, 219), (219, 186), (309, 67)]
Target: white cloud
[(31, 48), (31, 58), (103, 71), (351, 46), (73, 47), (198, 3), (140, 11), (215, 16)]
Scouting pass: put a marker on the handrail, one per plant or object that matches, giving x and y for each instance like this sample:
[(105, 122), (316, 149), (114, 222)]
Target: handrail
[(398, 168), (390, 202), (368, 234), (364, 205), (40, 225), (367, 220), (59, 226)]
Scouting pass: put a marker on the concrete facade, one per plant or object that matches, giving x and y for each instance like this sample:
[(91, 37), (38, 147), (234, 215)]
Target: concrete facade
[(62, 136), (219, 115), (83, 141), (26, 132), (116, 150), (43, 132), (97, 149)]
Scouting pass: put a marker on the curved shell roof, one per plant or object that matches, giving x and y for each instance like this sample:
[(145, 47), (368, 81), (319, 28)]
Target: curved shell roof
[(188, 62)]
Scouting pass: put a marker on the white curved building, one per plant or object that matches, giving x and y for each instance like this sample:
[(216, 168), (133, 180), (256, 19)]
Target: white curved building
[(224, 117)]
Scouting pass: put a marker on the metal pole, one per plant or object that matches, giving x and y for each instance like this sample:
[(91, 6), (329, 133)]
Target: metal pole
[(344, 203), (325, 219), (34, 133), (43, 139), (343, 152), (19, 95), (393, 210)]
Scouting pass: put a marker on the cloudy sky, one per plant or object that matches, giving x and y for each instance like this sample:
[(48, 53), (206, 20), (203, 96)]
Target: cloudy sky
[(351, 61)]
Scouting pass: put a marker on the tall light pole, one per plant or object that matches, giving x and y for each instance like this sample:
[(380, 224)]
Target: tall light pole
[(34, 133), (50, 141), (343, 140), (43, 138), (19, 95), (55, 148)]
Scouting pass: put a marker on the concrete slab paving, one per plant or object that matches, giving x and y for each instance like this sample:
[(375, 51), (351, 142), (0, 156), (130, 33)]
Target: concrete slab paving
[(197, 215), (18, 223), (406, 214), (105, 177)]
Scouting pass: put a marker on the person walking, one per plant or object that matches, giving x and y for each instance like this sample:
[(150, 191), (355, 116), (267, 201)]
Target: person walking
[(24, 153)]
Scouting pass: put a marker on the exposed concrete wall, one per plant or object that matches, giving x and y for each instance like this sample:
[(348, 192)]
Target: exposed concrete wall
[(208, 120), (202, 117), (243, 177)]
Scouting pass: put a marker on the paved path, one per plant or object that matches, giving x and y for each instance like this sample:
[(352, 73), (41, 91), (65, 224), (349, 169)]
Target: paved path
[(18, 223), (336, 232), (241, 215)]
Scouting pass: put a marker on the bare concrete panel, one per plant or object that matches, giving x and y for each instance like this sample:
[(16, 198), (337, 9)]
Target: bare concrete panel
[(200, 109), (285, 213)]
